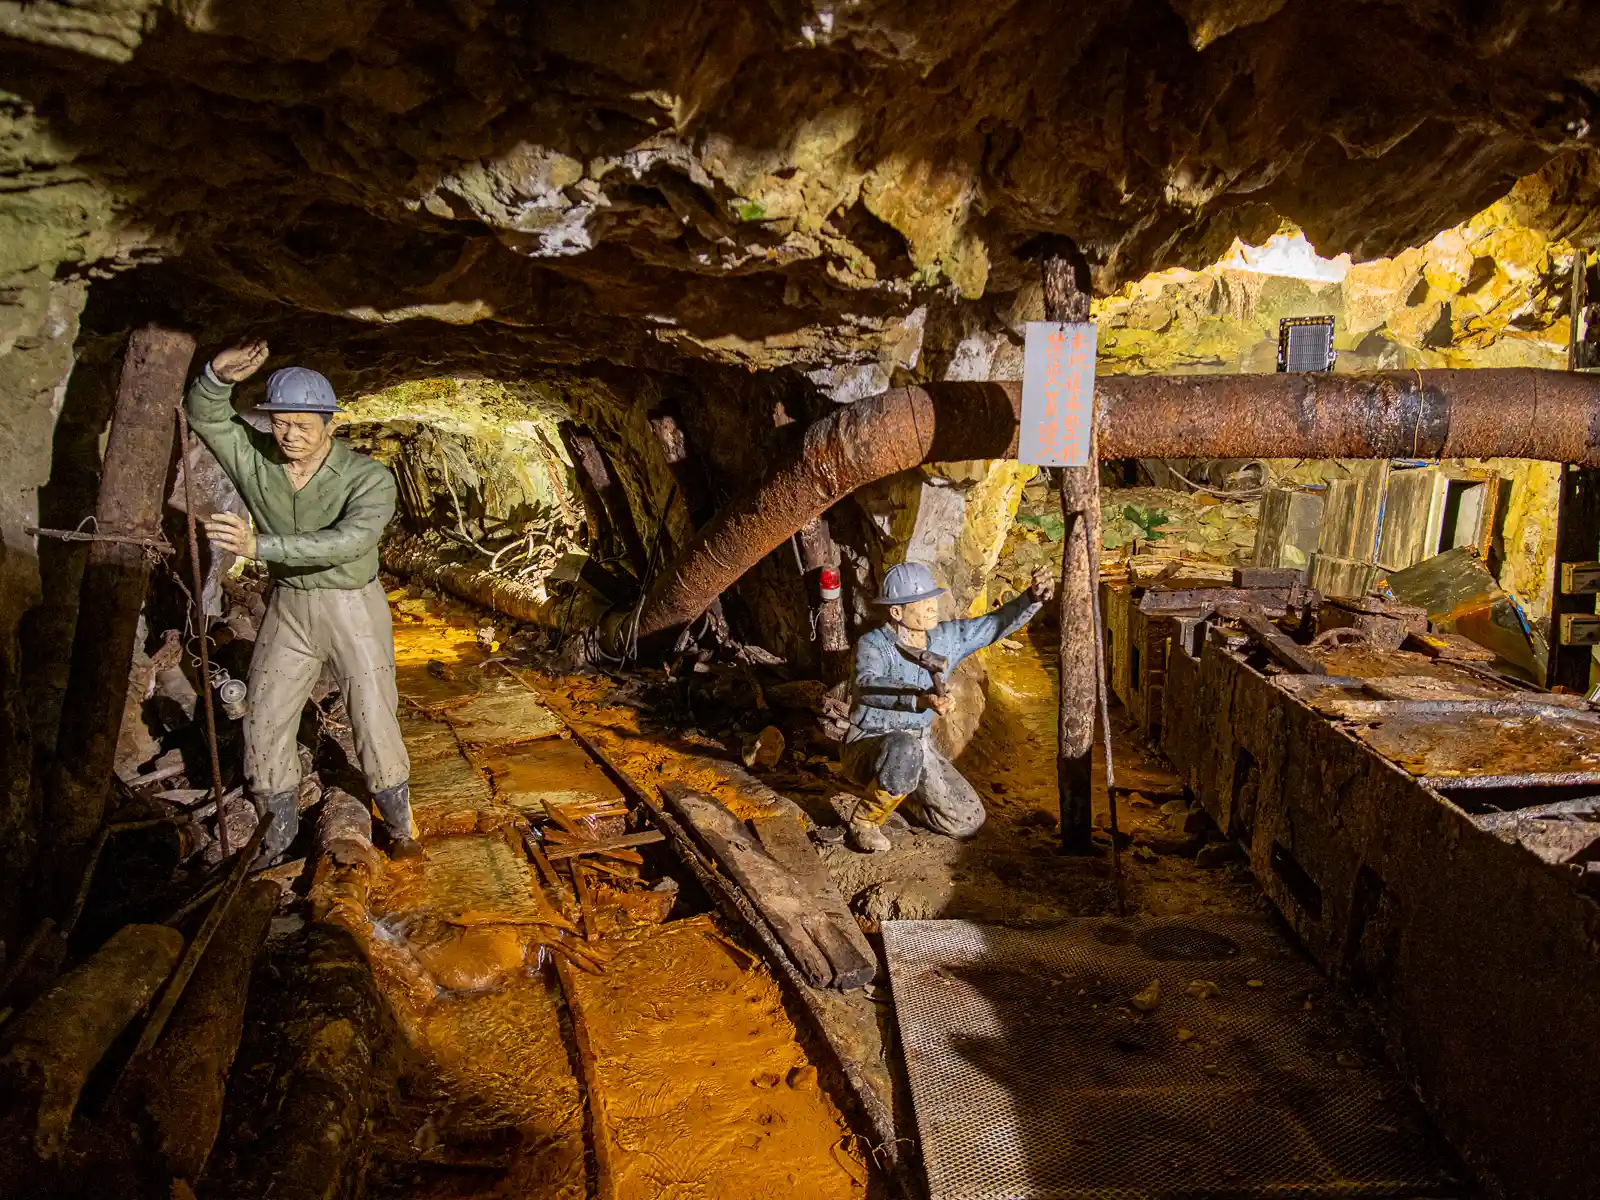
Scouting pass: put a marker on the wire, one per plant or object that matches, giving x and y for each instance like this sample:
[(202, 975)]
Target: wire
[(1091, 553), (1225, 493)]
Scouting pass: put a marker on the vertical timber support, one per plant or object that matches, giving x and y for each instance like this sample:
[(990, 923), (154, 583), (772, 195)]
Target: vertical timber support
[(133, 480), (596, 476), (600, 536), (1066, 298), (817, 550), (692, 487)]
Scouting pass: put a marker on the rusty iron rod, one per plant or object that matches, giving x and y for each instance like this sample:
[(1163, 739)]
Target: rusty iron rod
[(202, 633), (1491, 413), (1111, 773), (160, 545)]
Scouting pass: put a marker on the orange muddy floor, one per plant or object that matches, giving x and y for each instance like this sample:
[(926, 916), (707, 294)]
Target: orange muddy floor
[(692, 1081)]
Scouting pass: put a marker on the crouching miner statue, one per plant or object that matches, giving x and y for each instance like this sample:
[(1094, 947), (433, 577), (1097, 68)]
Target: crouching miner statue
[(899, 686), (320, 508)]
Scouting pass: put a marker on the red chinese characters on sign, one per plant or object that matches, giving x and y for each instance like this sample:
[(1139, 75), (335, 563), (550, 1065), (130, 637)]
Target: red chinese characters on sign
[(1057, 394)]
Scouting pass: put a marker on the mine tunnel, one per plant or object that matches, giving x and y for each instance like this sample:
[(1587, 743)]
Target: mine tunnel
[(741, 600)]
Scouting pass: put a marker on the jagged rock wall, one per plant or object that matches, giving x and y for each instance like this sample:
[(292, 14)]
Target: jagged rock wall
[(38, 325)]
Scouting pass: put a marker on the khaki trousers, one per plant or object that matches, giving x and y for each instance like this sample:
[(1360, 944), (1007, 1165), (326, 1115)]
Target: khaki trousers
[(350, 629)]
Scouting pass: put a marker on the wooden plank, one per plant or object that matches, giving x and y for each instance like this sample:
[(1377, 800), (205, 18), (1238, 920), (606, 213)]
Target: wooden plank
[(546, 871), (790, 907), (1161, 602), (1280, 646), (1352, 511), (133, 480), (599, 1127), (1265, 577), (580, 887), (1287, 533), (1580, 578), (1580, 629), (1411, 516), (1449, 647), (782, 837), (606, 846)]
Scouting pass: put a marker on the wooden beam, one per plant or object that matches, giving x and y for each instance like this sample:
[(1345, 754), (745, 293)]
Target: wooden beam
[(598, 483), (1280, 646), (815, 938), (1066, 298), (133, 479)]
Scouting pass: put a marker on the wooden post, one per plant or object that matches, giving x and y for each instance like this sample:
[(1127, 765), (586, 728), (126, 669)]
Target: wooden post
[(1066, 298), (133, 481), (817, 551), (595, 475), (600, 536)]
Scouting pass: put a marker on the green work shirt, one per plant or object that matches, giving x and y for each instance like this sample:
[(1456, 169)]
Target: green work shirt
[(323, 536)]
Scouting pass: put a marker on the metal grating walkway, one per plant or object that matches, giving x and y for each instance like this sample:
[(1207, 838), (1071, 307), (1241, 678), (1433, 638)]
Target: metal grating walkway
[(1034, 1077)]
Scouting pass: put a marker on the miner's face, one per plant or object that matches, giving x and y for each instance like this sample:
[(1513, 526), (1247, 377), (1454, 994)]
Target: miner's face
[(301, 436), (921, 615)]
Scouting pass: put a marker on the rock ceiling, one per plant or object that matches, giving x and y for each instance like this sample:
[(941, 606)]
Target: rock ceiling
[(778, 183)]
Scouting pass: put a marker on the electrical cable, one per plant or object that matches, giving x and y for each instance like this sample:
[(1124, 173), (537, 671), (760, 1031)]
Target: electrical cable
[(1223, 493)]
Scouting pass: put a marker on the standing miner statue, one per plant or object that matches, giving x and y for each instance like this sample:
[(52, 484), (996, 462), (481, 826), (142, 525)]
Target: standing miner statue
[(320, 509), (899, 685)]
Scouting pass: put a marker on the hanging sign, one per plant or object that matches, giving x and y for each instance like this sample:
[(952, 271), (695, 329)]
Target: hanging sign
[(1057, 394)]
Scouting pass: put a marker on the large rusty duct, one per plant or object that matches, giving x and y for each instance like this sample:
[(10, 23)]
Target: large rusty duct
[(1500, 413)]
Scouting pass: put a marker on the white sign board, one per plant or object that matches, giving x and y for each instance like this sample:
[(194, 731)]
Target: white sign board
[(1057, 394)]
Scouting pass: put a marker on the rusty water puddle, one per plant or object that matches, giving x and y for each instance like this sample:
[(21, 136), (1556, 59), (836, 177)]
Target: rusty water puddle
[(699, 1084), (695, 1080)]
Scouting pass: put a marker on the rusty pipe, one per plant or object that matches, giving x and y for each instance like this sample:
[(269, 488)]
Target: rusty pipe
[(877, 436), (1492, 413)]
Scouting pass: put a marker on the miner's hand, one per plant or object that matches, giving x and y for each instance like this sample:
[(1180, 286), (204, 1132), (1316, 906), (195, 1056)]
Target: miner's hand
[(943, 705), (239, 362), (232, 533), (1043, 586)]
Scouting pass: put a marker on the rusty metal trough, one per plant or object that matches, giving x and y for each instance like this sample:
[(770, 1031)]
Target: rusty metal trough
[(1432, 835)]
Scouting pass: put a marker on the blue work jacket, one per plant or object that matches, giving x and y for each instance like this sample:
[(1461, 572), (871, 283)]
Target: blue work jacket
[(886, 684)]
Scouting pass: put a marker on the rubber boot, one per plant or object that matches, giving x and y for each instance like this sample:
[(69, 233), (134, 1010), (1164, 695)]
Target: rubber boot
[(866, 823), (283, 810), (395, 805)]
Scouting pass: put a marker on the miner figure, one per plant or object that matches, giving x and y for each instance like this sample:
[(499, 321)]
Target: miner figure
[(894, 698), (319, 509)]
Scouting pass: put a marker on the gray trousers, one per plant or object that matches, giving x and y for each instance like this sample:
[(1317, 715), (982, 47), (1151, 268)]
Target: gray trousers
[(351, 630), (937, 795)]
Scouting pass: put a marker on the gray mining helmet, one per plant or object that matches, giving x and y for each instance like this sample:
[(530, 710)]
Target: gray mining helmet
[(908, 582), (299, 389)]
